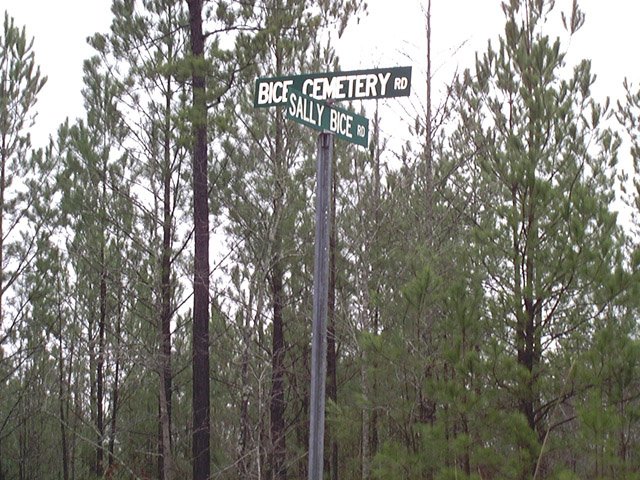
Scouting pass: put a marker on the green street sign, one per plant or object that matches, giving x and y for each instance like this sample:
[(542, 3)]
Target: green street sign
[(327, 118), (353, 85)]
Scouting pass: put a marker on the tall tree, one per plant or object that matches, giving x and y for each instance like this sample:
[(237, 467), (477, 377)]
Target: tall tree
[(95, 205), (268, 207), (200, 172), (155, 138), (20, 83), (544, 230)]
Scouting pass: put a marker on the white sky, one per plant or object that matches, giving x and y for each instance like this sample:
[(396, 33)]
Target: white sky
[(392, 34)]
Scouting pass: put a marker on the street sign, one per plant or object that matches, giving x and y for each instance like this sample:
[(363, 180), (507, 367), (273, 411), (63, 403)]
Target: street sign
[(353, 85), (327, 118), (309, 101)]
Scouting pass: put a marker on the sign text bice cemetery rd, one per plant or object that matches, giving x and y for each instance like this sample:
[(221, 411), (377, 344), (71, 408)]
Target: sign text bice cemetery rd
[(352, 85)]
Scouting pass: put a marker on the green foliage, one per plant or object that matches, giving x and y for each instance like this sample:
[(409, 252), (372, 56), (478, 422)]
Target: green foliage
[(486, 298), (24, 425), (20, 83)]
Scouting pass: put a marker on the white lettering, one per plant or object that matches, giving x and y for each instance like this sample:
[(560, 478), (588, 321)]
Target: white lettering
[(306, 86), (320, 110), (308, 111), (333, 121), (384, 78), (371, 85), (319, 88), (400, 83), (300, 109), (292, 104), (340, 123), (278, 98), (263, 93), (351, 82), (273, 92), (335, 88), (285, 89), (360, 86), (347, 127)]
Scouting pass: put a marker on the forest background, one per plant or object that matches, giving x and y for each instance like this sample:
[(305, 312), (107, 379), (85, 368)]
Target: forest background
[(483, 293)]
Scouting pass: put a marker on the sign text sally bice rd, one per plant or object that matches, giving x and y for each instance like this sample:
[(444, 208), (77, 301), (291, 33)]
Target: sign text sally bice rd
[(330, 118)]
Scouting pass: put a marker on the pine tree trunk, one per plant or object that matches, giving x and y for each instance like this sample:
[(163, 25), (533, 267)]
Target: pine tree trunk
[(366, 422), (22, 444), (100, 367), (526, 329), (3, 167), (278, 439), (201, 403), (373, 449), (165, 293), (62, 402), (115, 392), (426, 406), (3, 161), (244, 456), (278, 465), (429, 220), (114, 414), (375, 320), (167, 467), (76, 414)]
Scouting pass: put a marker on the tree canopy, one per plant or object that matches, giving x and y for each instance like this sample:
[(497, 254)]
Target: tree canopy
[(156, 260)]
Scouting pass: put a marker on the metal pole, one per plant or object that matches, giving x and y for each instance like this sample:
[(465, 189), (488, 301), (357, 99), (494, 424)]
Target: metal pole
[(320, 305)]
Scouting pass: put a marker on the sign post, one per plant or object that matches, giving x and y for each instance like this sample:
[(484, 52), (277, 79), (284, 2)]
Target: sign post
[(309, 101), (320, 305)]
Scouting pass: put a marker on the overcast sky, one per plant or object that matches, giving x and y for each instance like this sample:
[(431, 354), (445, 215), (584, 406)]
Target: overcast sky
[(392, 34)]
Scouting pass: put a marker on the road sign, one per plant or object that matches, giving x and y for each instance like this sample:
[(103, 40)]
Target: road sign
[(305, 97), (353, 85), (327, 118)]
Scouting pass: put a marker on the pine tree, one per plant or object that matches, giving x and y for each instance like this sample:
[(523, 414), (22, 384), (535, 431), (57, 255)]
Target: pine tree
[(270, 174), (213, 72), (95, 205), (154, 99), (537, 181), (20, 83)]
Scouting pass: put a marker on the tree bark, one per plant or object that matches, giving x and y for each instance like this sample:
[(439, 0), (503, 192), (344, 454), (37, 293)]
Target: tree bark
[(277, 406), (244, 456), (3, 168), (429, 221), (201, 408), (366, 421), (101, 344), (115, 392), (167, 467), (165, 293), (62, 391), (3, 161), (278, 464)]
